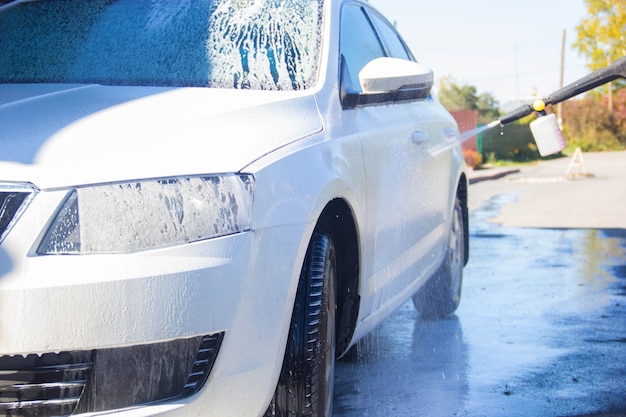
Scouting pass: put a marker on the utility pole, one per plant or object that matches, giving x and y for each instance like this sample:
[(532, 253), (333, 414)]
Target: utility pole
[(610, 85), (559, 106)]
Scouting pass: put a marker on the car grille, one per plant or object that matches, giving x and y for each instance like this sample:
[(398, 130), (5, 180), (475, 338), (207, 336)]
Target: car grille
[(13, 201), (61, 384), (201, 368), (47, 385)]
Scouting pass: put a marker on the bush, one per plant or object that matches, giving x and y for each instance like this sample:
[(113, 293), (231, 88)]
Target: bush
[(472, 158), (589, 124)]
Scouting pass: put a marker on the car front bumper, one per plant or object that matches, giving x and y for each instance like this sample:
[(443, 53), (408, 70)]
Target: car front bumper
[(137, 316)]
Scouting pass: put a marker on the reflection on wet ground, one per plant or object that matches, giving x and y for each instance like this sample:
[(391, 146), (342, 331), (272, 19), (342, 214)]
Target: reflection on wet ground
[(407, 366), (540, 332)]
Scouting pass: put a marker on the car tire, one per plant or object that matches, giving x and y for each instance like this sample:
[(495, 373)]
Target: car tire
[(305, 385), (441, 295)]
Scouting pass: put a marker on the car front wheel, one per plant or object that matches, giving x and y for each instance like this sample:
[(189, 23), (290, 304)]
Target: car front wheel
[(305, 386), (441, 295)]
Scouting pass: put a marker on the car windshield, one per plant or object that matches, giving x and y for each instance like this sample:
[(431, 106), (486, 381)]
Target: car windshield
[(244, 44)]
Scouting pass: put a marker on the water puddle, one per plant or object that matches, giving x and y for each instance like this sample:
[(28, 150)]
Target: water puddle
[(539, 331)]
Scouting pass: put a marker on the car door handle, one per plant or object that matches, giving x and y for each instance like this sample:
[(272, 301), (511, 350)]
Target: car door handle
[(419, 136), (450, 133)]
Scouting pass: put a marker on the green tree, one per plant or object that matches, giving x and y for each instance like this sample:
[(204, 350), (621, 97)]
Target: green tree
[(457, 97), (488, 108), (601, 36), (454, 96)]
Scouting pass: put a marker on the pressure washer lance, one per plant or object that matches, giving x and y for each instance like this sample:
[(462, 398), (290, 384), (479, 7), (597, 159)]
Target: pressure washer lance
[(545, 129)]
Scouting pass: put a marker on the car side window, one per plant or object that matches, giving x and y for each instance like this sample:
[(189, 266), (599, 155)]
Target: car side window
[(390, 38), (359, 44)]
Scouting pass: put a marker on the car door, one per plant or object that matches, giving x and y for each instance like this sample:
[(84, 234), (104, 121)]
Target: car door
[(408, 166)]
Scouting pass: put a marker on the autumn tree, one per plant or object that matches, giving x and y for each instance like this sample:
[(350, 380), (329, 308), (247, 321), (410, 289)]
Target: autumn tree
[(593, 122), (455, 96), (601, 36)]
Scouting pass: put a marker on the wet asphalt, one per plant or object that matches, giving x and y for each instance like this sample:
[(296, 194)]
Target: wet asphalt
[(541, 331)]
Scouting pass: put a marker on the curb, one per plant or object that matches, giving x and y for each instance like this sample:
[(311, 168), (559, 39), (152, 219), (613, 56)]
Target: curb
[(491, 174)]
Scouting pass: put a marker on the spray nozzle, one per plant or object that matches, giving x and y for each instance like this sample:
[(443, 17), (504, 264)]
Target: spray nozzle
[(516, 114), (538, 106), (545, 130)]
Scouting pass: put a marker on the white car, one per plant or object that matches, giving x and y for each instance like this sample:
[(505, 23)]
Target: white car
[(204, 203)]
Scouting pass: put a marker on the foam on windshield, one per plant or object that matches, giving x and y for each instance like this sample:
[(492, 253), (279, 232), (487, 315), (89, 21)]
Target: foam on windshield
[(256, 44), (264, 44)]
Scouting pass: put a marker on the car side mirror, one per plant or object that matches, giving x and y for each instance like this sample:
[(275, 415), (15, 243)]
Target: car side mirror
[(384, 75), (385, 80)]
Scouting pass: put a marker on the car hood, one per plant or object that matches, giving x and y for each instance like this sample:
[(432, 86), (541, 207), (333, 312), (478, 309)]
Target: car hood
[(65, 135)]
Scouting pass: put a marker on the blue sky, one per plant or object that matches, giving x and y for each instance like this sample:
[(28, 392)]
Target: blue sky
[(510, 48)]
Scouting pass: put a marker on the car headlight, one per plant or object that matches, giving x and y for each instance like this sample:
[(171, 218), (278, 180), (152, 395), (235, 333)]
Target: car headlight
[(141, 215)]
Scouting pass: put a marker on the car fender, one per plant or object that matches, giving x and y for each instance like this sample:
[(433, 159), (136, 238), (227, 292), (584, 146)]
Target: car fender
[(293, 186)]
